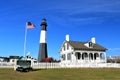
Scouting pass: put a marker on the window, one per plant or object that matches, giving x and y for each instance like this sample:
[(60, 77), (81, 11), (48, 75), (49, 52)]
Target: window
[(13, 60), (90, 44), (64, 47), (63, 57), (67, 46), (69, 56)]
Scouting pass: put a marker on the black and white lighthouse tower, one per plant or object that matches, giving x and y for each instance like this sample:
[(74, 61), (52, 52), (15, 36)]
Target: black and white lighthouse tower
[(43, 45)]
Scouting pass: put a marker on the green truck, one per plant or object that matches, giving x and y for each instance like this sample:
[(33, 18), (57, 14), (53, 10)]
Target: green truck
[(23, 65)]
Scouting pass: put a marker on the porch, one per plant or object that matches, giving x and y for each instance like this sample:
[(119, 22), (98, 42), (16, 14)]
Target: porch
[(99, 57), (84, 57)]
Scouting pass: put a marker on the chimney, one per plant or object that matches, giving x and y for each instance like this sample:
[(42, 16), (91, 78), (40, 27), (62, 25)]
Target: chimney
[(67, 37), (93, 40)]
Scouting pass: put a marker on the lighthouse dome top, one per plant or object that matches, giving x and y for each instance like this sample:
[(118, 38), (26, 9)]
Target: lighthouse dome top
[(44, 22)]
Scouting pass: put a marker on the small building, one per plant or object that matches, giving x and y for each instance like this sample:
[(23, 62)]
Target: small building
[(13, 58), (72, 52), (4, 59), (29, 57)]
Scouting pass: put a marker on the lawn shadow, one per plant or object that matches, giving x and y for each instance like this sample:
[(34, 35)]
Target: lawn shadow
[(37, 69)]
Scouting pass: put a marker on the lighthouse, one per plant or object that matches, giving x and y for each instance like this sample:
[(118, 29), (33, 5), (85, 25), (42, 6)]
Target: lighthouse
[(43, 45)]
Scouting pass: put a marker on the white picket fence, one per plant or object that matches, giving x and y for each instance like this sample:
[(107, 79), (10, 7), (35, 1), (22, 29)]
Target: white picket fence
[(6, 65), (90, 65), (46, 65), (64, 65), (75, 65)]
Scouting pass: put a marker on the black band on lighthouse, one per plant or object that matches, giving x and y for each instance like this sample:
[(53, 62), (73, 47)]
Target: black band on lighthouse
[(42, 52), (44, 27)]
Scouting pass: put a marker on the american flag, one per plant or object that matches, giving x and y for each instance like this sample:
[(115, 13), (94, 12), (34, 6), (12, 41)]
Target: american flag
[(30, 25)]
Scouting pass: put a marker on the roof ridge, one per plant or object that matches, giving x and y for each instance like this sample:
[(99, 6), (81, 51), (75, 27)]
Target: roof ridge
[(76, 41)]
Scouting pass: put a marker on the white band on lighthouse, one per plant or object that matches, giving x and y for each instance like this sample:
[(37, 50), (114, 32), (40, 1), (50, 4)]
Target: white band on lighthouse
[(43, 36)]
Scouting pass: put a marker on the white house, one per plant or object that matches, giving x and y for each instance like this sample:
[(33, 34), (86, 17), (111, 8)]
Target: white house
[(75, 52)]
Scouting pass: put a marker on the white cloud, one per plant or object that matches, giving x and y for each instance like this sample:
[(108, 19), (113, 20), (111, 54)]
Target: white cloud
[(114, 49)]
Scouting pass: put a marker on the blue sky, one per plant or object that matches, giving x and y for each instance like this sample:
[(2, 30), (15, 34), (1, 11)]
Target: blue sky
[(81, 19)]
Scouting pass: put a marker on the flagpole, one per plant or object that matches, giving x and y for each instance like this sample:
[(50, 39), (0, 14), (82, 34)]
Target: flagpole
[(25, 40)]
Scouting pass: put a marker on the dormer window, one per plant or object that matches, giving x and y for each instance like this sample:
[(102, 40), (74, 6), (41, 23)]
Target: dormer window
[(90, 44)]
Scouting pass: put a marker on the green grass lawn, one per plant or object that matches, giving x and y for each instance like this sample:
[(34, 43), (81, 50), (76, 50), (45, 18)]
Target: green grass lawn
[(62, 74)]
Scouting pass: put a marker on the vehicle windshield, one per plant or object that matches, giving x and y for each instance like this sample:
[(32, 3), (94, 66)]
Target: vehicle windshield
[(23, 62)]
